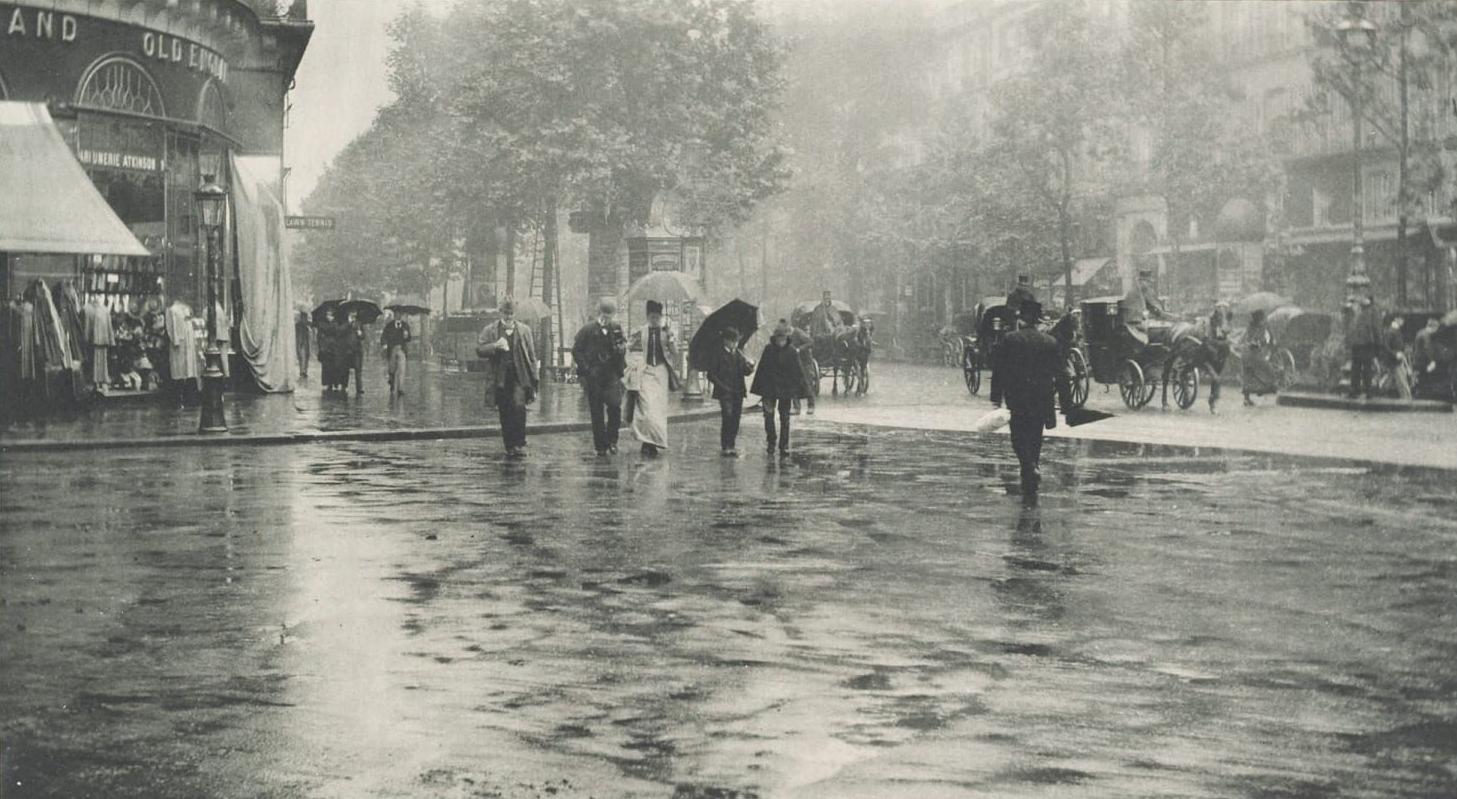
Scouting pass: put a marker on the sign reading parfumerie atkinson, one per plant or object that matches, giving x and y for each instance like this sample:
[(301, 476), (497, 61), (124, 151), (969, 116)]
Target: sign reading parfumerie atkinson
[(54, 26), (309, 222)]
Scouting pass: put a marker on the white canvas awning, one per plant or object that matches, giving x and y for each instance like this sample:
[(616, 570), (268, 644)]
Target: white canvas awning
[(47, 202)]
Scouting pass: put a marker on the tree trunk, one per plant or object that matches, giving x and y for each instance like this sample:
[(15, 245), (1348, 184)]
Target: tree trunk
[(1403, 151), (549, 289), (604, 261), (511, 258)]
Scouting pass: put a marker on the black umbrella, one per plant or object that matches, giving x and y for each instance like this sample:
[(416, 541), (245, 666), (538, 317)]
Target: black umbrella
[(736, 314), (367, 311), (326, 305), (407, 310)]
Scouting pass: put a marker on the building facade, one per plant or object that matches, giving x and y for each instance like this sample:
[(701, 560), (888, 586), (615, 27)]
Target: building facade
[(1298, 239), (151, 95)]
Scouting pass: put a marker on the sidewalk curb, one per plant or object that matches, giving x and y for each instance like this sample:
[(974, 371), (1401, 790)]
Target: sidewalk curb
[(316, 436), (1296, 399)]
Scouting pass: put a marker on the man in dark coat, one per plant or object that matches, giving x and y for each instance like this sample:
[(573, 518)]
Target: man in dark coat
[(726, 372), (1031, 371), (600, 353), (780, 381), (508, 347), (1019, 294), (1363, 338)]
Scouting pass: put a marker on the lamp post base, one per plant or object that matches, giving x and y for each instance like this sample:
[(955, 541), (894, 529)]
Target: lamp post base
[(213, 384)]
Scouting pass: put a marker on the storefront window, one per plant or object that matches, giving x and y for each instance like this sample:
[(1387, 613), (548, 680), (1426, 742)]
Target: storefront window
[(117, 83), (124, 159)]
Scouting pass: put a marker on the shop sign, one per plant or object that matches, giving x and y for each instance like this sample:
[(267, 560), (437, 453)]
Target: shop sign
[(29, 23), (198, 58), (40, 24), (115, 160), (309, 222)]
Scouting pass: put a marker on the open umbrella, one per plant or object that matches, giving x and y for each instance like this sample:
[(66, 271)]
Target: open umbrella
[(1450, 319), (736, 314), (665, 287), (407, 310), (326, 305), (368, 312), (1259, 301), (531, 309), (801, 316)]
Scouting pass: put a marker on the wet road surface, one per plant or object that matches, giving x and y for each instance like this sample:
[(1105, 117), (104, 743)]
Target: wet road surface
[(875, 616)]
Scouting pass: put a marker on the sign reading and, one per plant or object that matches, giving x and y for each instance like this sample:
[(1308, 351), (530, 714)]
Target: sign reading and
[(309, 222)]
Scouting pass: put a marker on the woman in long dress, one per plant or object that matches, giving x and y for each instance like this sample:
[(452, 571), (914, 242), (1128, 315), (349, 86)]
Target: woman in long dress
[(653, 349), (1259, 375)]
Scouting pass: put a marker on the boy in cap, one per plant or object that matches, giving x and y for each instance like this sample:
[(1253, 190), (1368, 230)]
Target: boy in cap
[(726, 372)]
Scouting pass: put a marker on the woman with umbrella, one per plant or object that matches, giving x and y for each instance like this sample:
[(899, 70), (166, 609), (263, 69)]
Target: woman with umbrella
[(330, 354), (1259, 375), (654, 350)]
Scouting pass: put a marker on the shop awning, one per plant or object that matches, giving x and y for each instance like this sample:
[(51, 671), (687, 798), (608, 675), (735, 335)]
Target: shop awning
[(47, 203)]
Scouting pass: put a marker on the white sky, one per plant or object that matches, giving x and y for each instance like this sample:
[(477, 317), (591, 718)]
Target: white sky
[(341, 81)]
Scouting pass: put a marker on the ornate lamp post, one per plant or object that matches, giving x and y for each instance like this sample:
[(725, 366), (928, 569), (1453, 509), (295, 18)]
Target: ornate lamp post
[(1357, 36), (212, 203)]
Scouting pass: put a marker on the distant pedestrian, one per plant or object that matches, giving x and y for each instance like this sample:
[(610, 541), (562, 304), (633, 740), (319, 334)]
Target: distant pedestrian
[(726, 371), (1392, 354), (780, 382), (809, 369), (1216, 349), (333, 349), (600, 353), (656, 375), (1258, 375), (395, 338), (1363, 339), (510, 352), (353, 342), (1032, 380), (302, 335)]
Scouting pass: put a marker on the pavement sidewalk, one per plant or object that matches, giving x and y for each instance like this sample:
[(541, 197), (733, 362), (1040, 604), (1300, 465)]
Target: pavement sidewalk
[(438, 403), (930, 398)]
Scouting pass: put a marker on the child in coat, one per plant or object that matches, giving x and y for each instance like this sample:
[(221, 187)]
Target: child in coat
[(726, 373), (780, 382)]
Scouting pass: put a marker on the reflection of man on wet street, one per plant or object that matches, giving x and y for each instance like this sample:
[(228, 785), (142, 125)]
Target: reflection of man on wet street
[(1030, 370)]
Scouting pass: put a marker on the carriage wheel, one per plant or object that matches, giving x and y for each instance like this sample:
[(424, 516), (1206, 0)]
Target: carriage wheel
[(1081, 380), (1284, 363), (1185, 378), (971, 373), (1131, 384)]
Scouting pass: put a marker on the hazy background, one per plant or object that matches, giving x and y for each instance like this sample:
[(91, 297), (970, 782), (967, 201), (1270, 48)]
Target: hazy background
[(342, 78)]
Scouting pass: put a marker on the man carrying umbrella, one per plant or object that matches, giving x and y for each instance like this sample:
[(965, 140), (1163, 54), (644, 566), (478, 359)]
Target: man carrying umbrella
[(600, 353)]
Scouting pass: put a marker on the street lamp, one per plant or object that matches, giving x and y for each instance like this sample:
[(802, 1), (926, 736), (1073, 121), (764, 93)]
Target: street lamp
[(1357, 36), (212, 203)]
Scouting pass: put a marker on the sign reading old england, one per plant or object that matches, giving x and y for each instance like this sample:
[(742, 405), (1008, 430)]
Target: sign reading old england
[(54, 26)]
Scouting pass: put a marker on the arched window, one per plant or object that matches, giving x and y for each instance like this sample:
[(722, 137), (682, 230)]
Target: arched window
[(212, 111), (117, 83)]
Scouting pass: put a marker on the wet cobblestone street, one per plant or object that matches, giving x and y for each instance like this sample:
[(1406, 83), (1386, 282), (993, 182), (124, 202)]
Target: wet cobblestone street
[(878, 615)]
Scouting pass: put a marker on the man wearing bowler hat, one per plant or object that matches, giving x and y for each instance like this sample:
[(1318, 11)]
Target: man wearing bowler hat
[(600, 351)]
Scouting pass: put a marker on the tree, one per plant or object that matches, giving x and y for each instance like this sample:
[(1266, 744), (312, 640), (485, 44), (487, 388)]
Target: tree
[(1415, 48), (1056, 118)]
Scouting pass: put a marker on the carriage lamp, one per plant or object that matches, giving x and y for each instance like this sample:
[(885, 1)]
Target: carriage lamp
[(212, 203)]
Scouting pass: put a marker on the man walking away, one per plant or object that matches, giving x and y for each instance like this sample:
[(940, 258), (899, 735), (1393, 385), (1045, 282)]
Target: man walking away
[(600, 351), (1363, 338), (355, 348), (726, 373), (301, 343), (396, 335), (1031, 372), (508, 347)]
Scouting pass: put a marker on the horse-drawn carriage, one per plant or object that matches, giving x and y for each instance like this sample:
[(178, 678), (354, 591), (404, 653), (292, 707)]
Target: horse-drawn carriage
[(844, 354), (1140, 367), (994, 320)]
